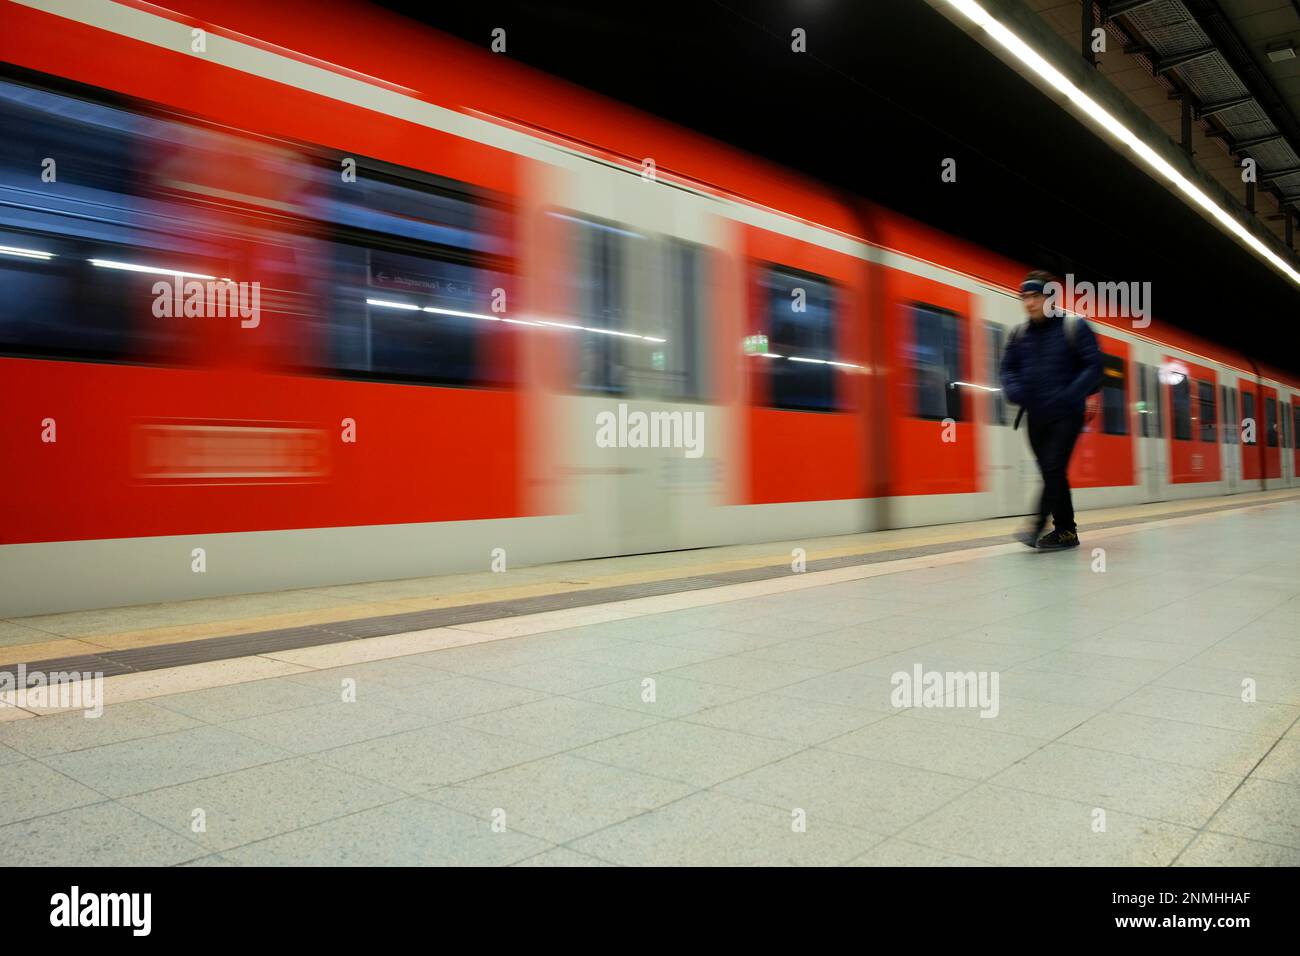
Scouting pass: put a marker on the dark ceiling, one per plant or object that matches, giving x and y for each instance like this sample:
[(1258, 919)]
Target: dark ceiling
[(886, 91)]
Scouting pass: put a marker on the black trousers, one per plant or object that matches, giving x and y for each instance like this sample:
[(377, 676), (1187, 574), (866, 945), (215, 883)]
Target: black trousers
[(1053, 443)]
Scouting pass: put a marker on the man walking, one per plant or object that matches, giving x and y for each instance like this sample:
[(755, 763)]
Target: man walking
[(1050, 367)]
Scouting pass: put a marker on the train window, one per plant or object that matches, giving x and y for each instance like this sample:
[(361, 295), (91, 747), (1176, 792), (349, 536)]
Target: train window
[(1143, 402), (413, 266), (1182, 400), (997, 404), (1234, 421), (1114, 408), (800, 325), (1270, 420), (687, 348), (936, 364), (1225, 415), (678, 365), (82, 250), (1157, 405), (1295, 424), (390, 201), (600, 302), (1208, 416), (1248, 415)]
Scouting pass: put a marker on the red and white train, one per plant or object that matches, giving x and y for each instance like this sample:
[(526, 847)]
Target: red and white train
[(451, 267)]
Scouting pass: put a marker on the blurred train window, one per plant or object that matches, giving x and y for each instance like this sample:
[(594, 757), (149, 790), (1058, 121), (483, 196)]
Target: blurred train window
[(1208, 415), (800, 312), (599, 300), (1114, 407), (996, 340), (413, 263), (1143, 404), (1182, 400), (1225, 415), (100, 203), (667, 359), (1248, 413), (1295, 424), (1157, 409), (683, 360), (1270, 420), (936, 364)]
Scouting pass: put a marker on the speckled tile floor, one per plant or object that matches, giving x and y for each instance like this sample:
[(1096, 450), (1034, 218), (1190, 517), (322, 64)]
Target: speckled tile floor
[(1145, 714)]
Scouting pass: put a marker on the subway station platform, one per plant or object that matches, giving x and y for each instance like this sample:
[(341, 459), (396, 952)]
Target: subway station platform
[(1134, 702)]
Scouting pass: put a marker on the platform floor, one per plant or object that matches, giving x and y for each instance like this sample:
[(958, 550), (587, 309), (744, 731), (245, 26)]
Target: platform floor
[(1147, 714)]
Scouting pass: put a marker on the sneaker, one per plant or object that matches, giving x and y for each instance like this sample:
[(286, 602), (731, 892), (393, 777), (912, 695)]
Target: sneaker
[(1058, 541)]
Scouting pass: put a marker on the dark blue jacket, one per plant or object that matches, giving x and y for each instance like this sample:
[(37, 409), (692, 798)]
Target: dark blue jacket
[(1046, 374)]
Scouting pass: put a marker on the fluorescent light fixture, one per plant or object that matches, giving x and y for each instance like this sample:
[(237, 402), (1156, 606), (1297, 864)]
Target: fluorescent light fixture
[(1026, 54), (152, 270), (25, 253), (385, 304), (986, 388), (767, 355), (407, 306), (463, 315), (813, 361)]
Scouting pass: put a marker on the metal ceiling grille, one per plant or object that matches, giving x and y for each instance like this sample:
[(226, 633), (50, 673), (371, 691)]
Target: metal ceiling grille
[(1206, 64)]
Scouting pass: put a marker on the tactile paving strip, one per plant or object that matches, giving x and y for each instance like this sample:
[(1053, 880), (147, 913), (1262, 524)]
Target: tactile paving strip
[(113, 663)]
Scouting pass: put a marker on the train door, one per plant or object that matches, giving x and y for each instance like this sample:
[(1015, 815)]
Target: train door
[(643, 448), (1005, 450), (1227, 433), (1286, 416), (1295, 439), (1151, 406)]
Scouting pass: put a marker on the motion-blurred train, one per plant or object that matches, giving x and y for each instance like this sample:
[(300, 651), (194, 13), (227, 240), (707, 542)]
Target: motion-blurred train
[(333, 298)]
